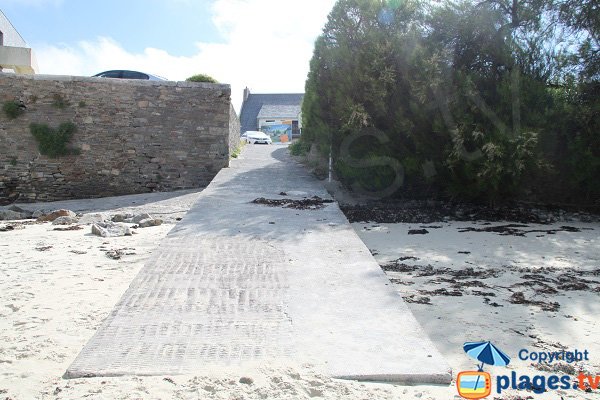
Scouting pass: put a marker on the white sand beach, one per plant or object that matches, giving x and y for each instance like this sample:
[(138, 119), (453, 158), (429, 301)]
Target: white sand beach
[(538, 291), (56, 287)]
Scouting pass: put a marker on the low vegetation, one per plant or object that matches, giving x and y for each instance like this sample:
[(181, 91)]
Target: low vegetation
[(236, 152), (202, 78), (13, 109), (54, 142), (299, 148)]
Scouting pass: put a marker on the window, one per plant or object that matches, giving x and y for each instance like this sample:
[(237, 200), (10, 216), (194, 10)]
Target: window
[(110, 74), (1, 38), (134, 75)]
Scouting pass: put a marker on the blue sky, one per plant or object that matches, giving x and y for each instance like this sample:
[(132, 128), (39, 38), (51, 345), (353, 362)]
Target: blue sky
[(227, 39), (135, 24)]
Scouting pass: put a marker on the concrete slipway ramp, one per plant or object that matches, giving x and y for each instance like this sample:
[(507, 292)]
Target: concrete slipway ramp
[(237, 283)]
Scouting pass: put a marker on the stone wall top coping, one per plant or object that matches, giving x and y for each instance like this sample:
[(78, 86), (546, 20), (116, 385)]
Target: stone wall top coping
[(112, 81)]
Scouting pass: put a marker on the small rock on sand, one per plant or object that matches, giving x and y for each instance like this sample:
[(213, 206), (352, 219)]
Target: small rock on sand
[(148, 222), (55, 214), (65, 220), (24, 213), (38, 213), (92, 219), (121, 217), (141, 217), (9, 215), (110, 229)]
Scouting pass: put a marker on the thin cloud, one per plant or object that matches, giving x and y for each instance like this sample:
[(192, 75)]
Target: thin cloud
[(33, 3), (267, 47)]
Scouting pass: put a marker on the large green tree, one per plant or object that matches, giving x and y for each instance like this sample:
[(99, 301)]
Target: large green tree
[(470, 97)]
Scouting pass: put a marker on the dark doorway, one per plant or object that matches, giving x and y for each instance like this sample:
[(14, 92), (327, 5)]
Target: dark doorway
[(295, 129)]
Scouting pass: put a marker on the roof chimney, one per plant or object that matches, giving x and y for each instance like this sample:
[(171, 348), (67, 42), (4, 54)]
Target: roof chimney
[(246, 93)]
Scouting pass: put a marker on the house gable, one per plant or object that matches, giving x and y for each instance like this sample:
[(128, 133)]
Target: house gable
[(254, 103)]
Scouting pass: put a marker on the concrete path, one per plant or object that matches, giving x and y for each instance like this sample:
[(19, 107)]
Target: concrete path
[(237, 283)]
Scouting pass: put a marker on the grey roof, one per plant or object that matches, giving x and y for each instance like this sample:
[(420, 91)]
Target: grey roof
[(255, 102), (279, 111)]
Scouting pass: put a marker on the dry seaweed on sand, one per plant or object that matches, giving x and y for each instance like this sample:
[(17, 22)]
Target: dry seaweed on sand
[(312, 203)]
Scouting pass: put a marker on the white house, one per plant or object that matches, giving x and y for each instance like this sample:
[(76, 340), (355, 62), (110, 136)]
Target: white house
[(278, 115), (14, 53)]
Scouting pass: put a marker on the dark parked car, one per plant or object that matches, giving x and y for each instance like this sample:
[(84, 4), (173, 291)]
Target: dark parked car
[(124, 74)]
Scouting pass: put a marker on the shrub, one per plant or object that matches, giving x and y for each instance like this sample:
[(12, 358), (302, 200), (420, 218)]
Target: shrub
[(238, 149), (53, 142), (299, 148), (367, 179), (13, 109), (498, 171), (202, 78)]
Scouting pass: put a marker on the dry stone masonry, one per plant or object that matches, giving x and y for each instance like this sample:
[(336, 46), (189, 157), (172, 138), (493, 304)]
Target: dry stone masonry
[(131, 137)]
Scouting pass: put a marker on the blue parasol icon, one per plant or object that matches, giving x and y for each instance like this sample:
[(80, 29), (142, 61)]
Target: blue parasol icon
[(487, 353)]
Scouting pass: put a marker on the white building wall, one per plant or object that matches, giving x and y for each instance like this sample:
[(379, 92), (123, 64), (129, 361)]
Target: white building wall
[(272, 121), (279, 120), (14, 53), (10, 35)]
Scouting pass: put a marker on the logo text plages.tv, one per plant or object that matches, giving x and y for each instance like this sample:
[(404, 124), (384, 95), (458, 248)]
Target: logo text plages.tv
[(478, 384)]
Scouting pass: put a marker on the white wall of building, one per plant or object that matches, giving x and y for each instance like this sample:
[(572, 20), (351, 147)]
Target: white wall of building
[(14, 53), (10, 35)]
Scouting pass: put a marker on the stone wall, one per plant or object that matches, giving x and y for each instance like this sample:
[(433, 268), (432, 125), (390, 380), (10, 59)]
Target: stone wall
[(234, 129), (132, 136)]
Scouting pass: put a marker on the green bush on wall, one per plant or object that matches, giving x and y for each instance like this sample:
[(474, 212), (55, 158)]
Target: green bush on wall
[(53, 142), (13, 109), (202, 78)]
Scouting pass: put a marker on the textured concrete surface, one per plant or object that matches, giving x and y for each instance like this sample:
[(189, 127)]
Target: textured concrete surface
[(236, 283)]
